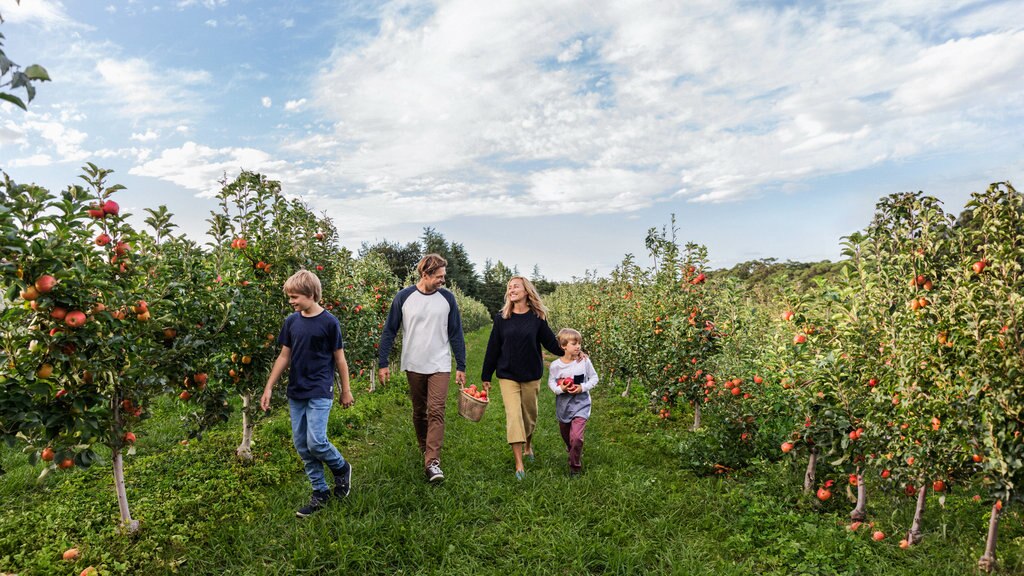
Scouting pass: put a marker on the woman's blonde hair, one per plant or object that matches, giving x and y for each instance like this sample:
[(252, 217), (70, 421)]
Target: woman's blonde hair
[(306, 283), (532, 300)]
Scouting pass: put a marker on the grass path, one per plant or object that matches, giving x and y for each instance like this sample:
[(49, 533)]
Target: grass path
[(633, 511)]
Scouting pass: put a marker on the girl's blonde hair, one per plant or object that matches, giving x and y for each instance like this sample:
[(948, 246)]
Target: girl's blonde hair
[(532, 300), (306, 283)]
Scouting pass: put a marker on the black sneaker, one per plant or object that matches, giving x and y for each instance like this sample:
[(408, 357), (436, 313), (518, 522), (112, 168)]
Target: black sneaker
[(433, 472), (318, 501), (343, 481)]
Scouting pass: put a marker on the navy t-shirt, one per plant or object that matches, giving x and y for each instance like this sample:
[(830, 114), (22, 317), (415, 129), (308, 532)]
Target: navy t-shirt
[(313, 342)]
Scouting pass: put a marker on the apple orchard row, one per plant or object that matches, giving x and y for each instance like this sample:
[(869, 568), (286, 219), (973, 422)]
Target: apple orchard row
[(903, 372), (100, 317)]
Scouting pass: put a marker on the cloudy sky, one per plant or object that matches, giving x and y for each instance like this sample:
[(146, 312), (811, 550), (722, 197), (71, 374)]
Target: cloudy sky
[(551, 133)]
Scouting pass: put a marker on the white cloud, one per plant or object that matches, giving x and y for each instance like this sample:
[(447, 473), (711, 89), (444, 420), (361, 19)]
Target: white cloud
[(142, 91), (199, 167), (572, 52), (47, 13), (36, 135), (147, 136), (293, 105), (663, 106), (208, 4), (211, 23), (266, 102), (288, 23)]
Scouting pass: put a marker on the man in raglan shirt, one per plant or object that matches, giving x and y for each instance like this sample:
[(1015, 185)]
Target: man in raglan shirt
[(430, 320)]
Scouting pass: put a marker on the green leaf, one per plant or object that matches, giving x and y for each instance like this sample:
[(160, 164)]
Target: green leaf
[(37, 72), (13, 100)]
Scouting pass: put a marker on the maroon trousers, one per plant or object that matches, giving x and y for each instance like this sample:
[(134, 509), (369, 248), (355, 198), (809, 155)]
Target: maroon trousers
[(572, 434), (428, 393)]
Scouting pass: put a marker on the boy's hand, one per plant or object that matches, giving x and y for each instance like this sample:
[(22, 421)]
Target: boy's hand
[(346, 399)]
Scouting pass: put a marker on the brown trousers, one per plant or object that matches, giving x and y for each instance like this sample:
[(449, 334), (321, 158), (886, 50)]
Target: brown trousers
[(429, 393)]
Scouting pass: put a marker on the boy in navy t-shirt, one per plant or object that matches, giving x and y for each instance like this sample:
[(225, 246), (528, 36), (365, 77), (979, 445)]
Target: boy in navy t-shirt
[(312, 349)]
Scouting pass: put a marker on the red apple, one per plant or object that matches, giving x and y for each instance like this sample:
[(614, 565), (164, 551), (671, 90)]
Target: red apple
[(111, 207), (878, 536), (103, 239), (979, 266), (45, 283), (75, 318)]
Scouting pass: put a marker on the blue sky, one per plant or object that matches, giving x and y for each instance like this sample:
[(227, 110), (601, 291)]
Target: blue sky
[(550, 132)]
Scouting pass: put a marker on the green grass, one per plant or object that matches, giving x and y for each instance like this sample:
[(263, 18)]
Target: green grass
[(634, 511)]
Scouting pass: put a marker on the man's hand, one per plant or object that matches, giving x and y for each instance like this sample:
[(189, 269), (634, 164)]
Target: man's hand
[(383, 374), (460, 378)]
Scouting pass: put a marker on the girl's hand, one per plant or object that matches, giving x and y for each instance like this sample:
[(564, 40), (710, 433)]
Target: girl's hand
[(574, 388)]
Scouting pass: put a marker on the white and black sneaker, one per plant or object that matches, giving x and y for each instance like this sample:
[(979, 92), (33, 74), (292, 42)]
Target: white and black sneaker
[(318, 501), (433, 471), (343, 481)]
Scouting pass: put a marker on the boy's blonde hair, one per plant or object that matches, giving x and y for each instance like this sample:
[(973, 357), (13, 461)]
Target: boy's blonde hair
[(306, 283), (566, 335)]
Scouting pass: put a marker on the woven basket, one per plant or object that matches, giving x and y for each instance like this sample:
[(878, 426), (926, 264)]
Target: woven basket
[(471, 408)]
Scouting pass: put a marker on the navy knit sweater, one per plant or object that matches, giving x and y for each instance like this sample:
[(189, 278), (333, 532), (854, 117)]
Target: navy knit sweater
[(513, 351)]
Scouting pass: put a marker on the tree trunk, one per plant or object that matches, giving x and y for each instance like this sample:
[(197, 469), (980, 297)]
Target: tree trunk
[(860, 513), (812, 467), (127, 524), (373, 381), (696, 416), (625, 392), (244, 450), (914, 536), (987, 562)]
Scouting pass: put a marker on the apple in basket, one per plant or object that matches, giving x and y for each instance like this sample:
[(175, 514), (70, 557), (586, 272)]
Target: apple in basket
[(473, 392)]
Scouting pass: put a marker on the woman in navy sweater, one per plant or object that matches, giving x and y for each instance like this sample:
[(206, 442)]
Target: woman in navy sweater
[(514, 354)]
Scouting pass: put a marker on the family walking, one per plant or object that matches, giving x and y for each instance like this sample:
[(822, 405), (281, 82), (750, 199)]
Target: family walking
[(427, 315)]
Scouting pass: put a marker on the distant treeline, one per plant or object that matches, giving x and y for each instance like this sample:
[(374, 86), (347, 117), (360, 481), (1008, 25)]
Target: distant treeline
[(488, 286), (800, 275)]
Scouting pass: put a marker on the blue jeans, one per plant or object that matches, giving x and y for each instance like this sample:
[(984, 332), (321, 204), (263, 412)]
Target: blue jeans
[(309, 434)]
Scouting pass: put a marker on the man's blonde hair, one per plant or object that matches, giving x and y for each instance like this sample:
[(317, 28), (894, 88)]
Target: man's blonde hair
[(566, 335), (306, 283), (430, 264)]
